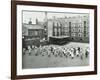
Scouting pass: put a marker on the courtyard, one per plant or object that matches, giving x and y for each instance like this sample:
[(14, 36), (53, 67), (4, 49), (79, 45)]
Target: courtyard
[(43, 61)]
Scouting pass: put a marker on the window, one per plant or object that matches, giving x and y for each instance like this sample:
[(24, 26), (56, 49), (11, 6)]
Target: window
[(84, 23), (55, 31), (30, 32), (79, 30), (79, 35), (36, 33)]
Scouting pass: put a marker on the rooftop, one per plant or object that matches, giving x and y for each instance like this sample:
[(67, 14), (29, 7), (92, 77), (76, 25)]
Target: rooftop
[(32, 26)]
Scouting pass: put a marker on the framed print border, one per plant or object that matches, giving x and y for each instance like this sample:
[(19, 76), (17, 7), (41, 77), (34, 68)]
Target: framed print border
[(14, 39)]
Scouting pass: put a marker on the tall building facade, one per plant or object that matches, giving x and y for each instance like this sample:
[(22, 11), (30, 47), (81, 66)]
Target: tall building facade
[(77, 28)]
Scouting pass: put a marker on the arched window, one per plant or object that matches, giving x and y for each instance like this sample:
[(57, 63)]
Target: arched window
[(79, 30), (59, 31), (79, 35), (55, 30)]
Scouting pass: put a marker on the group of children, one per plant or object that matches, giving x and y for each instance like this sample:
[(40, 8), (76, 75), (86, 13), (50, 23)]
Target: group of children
[(61, 51)]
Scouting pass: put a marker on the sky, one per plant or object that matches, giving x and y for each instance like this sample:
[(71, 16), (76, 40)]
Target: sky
[(33, 15)]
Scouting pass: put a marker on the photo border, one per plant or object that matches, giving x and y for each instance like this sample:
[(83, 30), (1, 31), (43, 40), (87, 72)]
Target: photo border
[(14, 39)]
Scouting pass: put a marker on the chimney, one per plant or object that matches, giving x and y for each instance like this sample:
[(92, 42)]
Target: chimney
[(30, 22), (36, 21)]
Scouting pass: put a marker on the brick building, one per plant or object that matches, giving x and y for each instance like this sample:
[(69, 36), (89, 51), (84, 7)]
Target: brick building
[(32, 33), (76, 27)]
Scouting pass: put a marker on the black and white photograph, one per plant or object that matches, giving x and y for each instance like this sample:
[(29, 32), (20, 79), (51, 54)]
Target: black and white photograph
[(55, 39)]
